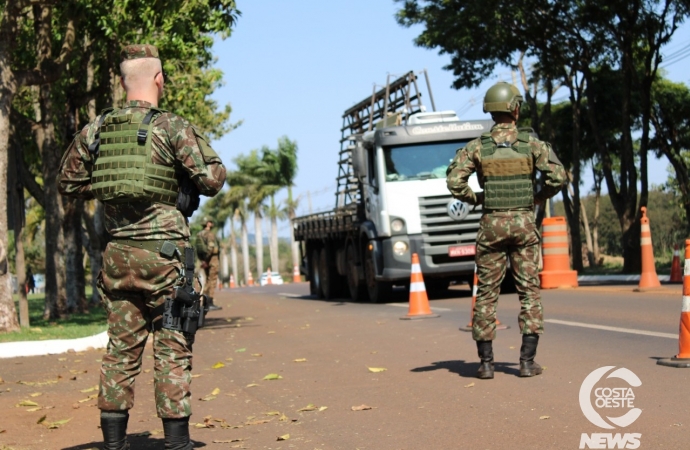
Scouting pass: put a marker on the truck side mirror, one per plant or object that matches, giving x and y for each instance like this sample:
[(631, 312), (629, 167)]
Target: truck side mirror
[(359, 160)]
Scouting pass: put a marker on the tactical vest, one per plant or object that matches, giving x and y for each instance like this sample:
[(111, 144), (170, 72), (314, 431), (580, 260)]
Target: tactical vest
[(124, 170), (508, 173)]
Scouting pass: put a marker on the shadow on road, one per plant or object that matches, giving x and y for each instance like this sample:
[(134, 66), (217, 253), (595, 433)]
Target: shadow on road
[(467, 369), (139, 442)]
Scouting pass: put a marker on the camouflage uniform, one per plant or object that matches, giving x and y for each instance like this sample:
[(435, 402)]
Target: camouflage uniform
[(135, 279), (209, 241), (506, 233)]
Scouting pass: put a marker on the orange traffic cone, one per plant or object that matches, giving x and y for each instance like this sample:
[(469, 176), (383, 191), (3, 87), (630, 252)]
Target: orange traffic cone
[(676, 274), (419, 302), (232, 282), (268, 276), (296, 278), (556, 271), (682, 359), (499, 325), (250, 281), (648, 277)]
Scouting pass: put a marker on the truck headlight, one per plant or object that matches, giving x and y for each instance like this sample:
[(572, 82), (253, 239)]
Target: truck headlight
[(399, 248), (397, 225)]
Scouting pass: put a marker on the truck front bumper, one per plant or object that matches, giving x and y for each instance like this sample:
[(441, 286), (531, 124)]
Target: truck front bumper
[(398, 267)]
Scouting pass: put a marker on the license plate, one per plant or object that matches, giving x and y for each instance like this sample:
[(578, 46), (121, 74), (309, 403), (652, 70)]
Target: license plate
[(461, 250)]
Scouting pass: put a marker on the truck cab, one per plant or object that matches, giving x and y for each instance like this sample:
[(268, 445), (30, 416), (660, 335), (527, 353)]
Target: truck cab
[(402, 169)]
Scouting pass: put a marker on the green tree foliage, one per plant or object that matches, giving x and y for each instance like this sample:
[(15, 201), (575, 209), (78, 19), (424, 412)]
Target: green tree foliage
[(588, 47), (71, 49)]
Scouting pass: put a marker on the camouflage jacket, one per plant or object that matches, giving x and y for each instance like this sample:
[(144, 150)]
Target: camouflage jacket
[(176, 143), (468, 160), (207, 244)]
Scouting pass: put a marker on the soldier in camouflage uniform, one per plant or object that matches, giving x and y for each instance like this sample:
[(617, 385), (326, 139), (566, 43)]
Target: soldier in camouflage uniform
[(207, 249), (135, 159), (506, 161)]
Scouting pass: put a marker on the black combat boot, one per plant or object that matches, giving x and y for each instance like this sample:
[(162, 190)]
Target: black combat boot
[(211, 306), (528, 368), (114, 428), (486, 356), (176, 433)]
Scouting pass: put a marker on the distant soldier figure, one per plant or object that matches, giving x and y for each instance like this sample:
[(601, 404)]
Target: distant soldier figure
[(506, 161), (148, 166), (207, 250), (30, 281)]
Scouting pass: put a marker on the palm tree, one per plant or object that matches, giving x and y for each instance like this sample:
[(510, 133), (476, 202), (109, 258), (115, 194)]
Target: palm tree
[(287, 158), (275, 213), (237, 196)]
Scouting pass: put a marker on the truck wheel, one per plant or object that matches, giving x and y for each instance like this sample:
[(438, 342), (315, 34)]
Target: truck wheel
[(315, 274), (357, 287), (379, 291), (330, 280)]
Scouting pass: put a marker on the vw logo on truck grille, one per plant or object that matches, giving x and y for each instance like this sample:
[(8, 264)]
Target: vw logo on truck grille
[(458, 210)]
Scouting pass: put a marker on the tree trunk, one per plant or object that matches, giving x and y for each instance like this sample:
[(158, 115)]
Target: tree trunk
[(233, 250), (259, 242), (74, 255), (94, 221), (245, 252), (595, 226), (273, 247), (294, 245), (8, 88), (16, 191)]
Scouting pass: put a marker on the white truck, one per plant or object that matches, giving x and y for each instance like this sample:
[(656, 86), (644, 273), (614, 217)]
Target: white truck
[(392, 201)]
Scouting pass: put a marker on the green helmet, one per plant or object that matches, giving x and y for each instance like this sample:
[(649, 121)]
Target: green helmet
[(502, 97)]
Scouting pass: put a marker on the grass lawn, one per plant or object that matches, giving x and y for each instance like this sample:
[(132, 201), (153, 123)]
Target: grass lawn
[(74, 326)]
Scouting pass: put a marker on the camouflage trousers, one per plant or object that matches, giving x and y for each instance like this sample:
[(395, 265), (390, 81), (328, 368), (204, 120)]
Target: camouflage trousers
[(502, 235), (132, 283), (211, 272)]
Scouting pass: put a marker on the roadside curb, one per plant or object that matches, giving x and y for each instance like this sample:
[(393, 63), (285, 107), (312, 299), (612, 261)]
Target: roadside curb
[(52, 347), (618, 277)]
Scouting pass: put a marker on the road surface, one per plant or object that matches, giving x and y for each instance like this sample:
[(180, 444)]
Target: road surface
[(426, 398)]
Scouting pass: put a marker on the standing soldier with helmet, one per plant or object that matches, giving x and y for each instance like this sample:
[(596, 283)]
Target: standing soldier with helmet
[(207, 250), (506, 161), (148, 166)]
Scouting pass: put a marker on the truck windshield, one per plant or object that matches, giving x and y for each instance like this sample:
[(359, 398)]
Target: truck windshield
[(420, 161)]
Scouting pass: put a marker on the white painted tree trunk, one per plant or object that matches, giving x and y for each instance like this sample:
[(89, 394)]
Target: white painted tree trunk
[(245, 252), (259, 243)]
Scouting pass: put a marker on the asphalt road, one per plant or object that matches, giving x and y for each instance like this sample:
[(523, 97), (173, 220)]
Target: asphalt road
[(427, 398)]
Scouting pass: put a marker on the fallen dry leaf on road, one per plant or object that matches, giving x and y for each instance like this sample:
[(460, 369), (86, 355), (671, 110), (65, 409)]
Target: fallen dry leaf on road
[(257, 422), (252, 385), (226, 441), (90, 397), (323, 408), (216, 391), (41, 419), (283, 418), (240, 350), (38, 408), (544, 417), (271, 332), (361, 408), (273, 376), (228, 359), (299, 360), (36, 394), (26, 403), (218, 365), (284, 437), (207, 398), (309, 407), (272, 413), (377, 369), (1, 381), (2, 431), (469, 385), (91, 389), (197, 375), (257, 354), (58, 424)]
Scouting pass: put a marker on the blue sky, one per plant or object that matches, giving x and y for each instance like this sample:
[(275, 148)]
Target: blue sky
[(292, 68)]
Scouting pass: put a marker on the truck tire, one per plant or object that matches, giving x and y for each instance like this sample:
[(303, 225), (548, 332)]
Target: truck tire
[(315, 274), (379, 291), (331, 281), (357, 287)]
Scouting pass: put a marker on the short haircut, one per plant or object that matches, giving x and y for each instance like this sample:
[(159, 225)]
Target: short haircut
[(135, 72)]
